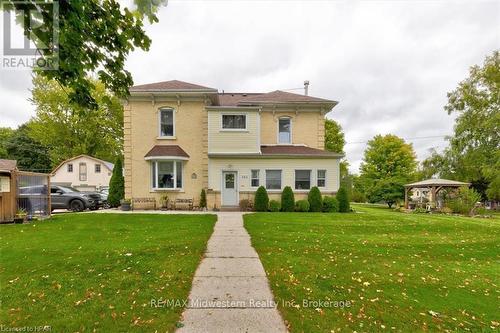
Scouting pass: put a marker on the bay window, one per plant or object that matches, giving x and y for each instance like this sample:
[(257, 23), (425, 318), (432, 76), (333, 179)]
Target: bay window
[(166, 174)]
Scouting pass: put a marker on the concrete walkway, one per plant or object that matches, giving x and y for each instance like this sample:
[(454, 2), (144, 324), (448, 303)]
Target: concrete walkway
[(230, 290)]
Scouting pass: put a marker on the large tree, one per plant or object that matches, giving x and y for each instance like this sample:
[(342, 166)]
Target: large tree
[(5, 134), (30, 154), (335, 142), (69, 129), (389, 162), (95, 37), (473, 154)]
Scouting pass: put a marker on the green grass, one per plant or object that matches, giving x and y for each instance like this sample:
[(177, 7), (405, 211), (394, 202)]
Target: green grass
[(86, 272), (401, 272)]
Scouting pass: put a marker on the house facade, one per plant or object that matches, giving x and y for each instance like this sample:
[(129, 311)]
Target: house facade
[(83, 172), (180, 138)]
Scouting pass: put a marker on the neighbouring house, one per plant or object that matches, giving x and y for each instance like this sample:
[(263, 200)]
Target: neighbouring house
[(83, 172), (180, 138)]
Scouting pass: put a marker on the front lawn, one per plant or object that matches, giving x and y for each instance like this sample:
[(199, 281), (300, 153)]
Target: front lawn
[(86, 272), (401, 272)]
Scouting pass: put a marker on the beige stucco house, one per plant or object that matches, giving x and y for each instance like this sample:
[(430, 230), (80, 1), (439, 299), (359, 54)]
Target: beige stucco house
[(180, 138), (83, 172)]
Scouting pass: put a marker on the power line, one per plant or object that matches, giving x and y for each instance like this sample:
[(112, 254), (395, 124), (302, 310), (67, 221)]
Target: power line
[(407, 139)]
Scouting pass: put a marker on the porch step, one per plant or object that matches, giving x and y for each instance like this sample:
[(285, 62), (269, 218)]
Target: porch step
[(229, 208)]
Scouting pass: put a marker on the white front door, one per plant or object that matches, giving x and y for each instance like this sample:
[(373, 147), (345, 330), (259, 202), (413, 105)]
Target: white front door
[(229, 188)]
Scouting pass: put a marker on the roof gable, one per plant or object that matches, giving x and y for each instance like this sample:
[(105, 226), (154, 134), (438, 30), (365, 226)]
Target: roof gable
[(107, 164)]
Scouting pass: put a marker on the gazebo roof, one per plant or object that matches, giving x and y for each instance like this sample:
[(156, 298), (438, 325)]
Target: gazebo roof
[(437, 182)]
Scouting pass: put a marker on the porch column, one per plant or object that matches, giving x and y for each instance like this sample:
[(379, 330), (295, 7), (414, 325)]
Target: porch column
[(406, 197)]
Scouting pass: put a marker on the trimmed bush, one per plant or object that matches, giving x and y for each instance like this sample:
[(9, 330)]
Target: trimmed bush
[(203, 199), (315, 200), (116, 185), (343, 199), (274, 206), (261, 200), (287, 200), (464, 201), (330, 204), (302, 206)]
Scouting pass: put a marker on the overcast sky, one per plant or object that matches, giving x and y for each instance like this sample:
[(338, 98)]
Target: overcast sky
[(388, 63)]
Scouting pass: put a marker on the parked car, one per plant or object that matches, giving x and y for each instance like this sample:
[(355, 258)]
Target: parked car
[(65, 197), (104, 197)]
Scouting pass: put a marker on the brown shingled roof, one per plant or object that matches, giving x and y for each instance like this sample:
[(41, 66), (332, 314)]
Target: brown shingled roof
[(7, 165), (169, 85), (279, 96), (296, 151), (232, 99), (167, 150)]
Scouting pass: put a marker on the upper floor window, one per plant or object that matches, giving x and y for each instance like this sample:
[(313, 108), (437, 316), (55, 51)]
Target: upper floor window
[(285, 130), (166, 122), (234, 121), (273, 179), (255, 178), (82, 171), (302, 179), (70, 167), (97, 168)]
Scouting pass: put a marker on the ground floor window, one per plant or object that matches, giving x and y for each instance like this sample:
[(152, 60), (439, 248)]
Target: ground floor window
[(302, 179), (273, 179), (255, 178), (166, 174), (321, 179)]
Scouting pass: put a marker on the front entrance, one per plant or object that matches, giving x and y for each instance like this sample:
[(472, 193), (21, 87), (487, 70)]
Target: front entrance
[(229, 188)]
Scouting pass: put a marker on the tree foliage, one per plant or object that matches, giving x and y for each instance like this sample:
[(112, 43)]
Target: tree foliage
[(5, 134), (334, 137), (30, 154), (71, 130), (116, 184), (388, 164), (95, 37)]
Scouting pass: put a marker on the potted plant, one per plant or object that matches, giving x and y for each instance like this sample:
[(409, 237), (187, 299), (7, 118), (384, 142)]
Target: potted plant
[(164, 200), (21, 216), (125, 204)]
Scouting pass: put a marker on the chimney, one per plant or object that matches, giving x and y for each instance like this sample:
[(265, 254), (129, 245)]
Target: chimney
[(306, 87)]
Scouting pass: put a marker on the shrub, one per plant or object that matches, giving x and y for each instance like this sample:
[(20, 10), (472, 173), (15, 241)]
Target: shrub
[(274, 206), (358, 196), (343, 200), (244, 205), (287, 200), (464, 201), (315, 200), (261, 200), (302, 206), (116, 185), (203, 199), (330, 204)]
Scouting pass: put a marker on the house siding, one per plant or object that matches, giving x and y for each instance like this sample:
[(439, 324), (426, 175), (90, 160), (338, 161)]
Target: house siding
[(287, 165), (221, 141)]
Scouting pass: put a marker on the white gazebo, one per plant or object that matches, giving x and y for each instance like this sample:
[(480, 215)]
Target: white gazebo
[(434, 185)]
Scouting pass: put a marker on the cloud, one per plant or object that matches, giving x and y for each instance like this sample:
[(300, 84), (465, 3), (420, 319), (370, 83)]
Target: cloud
[(388, 63)]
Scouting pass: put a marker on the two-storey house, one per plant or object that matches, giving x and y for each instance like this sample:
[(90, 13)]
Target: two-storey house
[(181, 138)]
